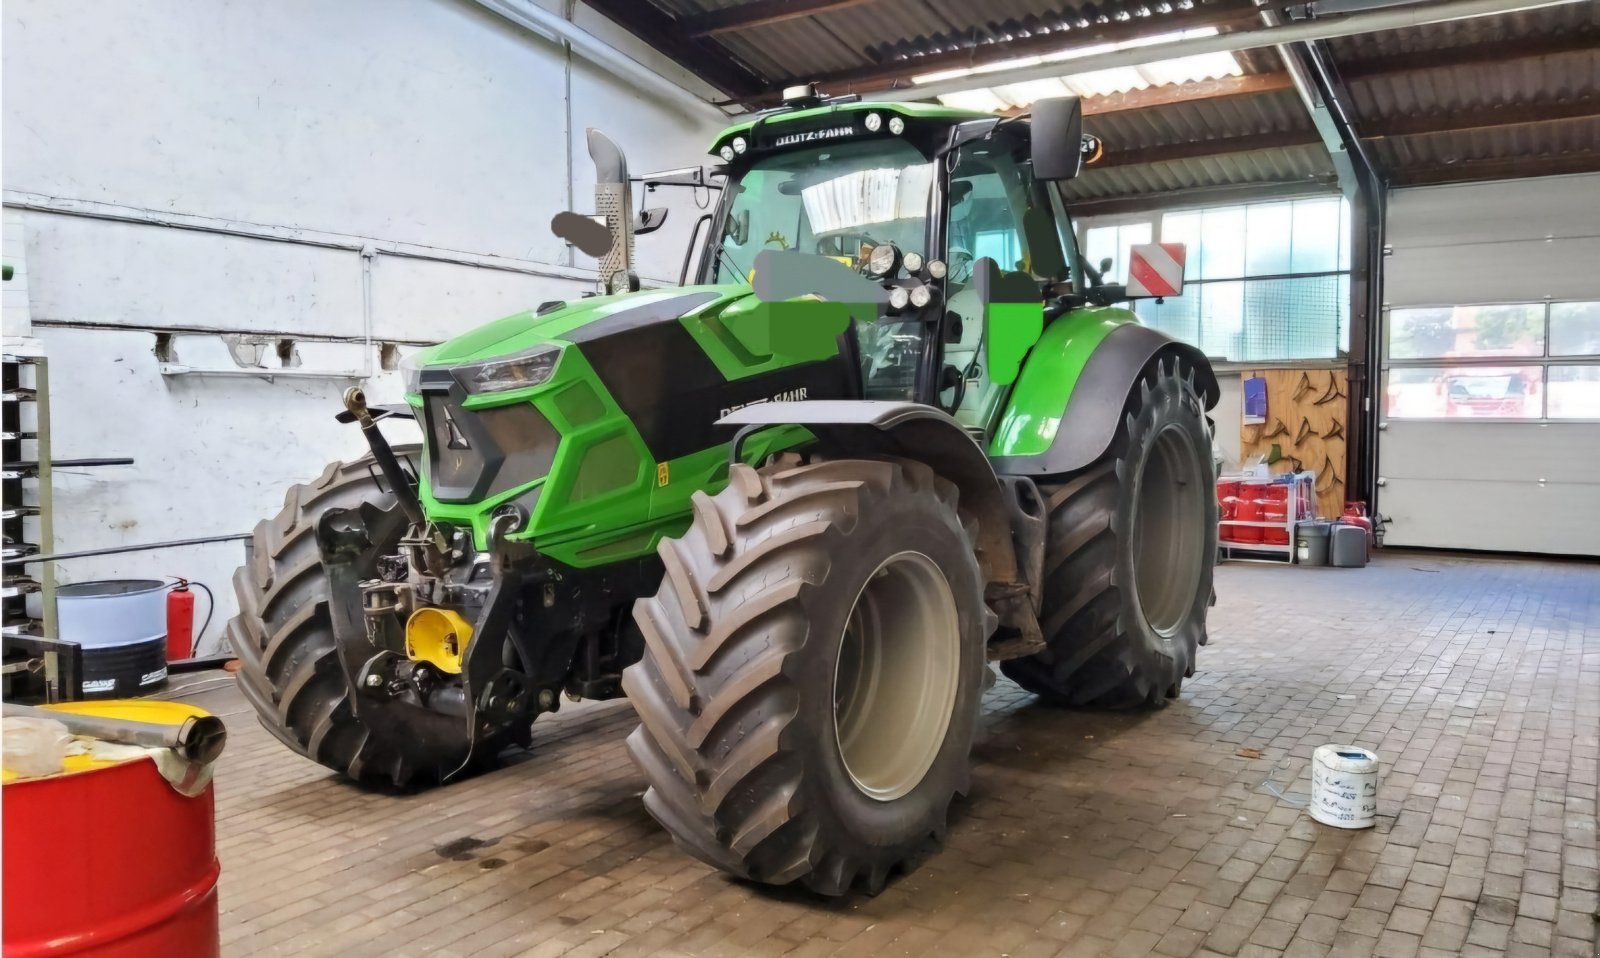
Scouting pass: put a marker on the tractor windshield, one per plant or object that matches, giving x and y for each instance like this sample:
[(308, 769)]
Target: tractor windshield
[(833, 199)]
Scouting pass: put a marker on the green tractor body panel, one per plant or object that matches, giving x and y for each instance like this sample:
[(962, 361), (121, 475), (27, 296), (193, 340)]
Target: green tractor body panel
[(1033, 413), (600, 478)]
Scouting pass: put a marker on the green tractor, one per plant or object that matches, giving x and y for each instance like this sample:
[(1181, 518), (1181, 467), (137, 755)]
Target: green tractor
[(895, 431)]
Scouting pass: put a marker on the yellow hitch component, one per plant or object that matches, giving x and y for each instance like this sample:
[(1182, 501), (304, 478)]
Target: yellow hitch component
[(438, 636)]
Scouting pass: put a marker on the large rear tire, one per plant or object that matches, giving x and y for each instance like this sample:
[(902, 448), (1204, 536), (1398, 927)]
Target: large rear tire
[(812, 673), (1128, 556), (288, 665)]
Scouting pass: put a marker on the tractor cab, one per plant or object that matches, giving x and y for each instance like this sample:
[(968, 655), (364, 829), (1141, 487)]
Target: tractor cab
[(949, 213)]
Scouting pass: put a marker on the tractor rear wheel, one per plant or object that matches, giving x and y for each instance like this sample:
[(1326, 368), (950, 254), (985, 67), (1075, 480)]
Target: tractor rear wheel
[(289, 666), (1128, 556), (812, 673)]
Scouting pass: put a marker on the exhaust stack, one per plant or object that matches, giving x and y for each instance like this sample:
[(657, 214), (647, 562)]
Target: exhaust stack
[(613, 201)]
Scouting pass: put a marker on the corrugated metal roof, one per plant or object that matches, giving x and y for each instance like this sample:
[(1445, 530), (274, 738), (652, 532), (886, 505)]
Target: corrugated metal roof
[(1221, 118), (884, 31), (1307, 163), (1400, 81)]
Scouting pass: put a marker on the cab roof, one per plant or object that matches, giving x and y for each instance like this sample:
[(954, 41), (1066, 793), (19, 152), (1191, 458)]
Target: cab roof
[(911, 111)]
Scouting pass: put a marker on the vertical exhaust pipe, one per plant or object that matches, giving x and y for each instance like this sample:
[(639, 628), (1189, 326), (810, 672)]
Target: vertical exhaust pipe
[(613, 200)]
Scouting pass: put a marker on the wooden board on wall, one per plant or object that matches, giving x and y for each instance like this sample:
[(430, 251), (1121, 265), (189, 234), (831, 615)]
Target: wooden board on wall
[(1306, 411)]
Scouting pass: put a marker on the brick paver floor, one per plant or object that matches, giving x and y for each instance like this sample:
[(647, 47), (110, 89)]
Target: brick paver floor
[(1176, 832)]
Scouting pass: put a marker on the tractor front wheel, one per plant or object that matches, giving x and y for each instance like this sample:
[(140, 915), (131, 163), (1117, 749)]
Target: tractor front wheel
[(289, 664), (812, 673)]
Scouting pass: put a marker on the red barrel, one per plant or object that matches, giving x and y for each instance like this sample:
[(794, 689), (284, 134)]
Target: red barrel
[(1227, 489), (108, 860), (1229, 508)]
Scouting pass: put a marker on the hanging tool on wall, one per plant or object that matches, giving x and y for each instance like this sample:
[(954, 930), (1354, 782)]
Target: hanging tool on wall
[(1278, 429), (1335, 431), (1304, 432), (1333, 392), (1328, 472), (1302, 387)]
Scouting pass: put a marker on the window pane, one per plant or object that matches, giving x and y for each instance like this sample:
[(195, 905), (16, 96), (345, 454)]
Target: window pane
[(1465, 392), (1222, 239), (1574, 330), (1099, 243), (1291, 319), (1445, 331), (1177, 316), (1267, 238), (1346, 226), (1222, 319), (1317, 236), (1184, 228), (1574, 392)]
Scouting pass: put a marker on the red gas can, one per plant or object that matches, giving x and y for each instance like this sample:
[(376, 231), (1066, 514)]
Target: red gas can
[(1275, 510), (1247, 510), (1226, 489), (107, 859), (180, 622)]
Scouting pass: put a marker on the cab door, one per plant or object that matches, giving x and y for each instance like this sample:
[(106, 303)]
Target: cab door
[(1000, 215)]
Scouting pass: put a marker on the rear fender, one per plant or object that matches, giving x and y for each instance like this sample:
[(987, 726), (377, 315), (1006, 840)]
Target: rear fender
[(1069, 399)]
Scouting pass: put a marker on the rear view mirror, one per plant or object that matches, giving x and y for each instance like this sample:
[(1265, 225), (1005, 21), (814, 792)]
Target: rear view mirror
[(1057, 148), (649, 220)]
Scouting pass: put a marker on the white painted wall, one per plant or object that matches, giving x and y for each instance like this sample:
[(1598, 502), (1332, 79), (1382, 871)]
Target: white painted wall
[(430, 130), (1511, 486)]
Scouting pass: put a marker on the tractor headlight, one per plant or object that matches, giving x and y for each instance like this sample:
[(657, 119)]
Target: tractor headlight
[(726, 153), (921, 296), (937, 268), (874, 122), (899, 297), (913, 262), (897, 126), (739, 145), (885, 257), (530, 367)]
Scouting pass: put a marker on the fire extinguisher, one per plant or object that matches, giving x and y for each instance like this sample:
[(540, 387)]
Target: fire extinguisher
[(180, 619)]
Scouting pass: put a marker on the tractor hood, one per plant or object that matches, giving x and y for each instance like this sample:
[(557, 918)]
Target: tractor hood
[(567, 323)]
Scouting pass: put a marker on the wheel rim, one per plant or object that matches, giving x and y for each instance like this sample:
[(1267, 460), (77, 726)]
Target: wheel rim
[(894, 684), (1168, 525)]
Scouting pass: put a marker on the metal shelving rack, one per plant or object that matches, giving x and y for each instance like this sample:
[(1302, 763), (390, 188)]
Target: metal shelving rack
[(1300, 505), (28, 593)]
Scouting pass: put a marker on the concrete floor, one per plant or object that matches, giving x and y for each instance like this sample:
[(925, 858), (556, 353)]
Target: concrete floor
[(1477, 681)]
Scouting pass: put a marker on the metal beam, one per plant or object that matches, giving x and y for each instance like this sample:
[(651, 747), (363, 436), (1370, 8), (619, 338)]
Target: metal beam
[(1301, 32), (758, 13), (1512, 114), (1508, 50), (1502, 168), (1197, 149), (1186, 93), (704, 58), (537, 20)]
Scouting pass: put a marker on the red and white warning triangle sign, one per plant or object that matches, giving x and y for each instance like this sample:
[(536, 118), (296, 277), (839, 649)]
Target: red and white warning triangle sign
[(1155, 269)]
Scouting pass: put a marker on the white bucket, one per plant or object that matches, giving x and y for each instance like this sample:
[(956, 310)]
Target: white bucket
[(1344, 786)]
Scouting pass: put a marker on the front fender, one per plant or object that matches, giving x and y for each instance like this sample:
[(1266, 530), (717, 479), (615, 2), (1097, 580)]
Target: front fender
[(1069, 399)]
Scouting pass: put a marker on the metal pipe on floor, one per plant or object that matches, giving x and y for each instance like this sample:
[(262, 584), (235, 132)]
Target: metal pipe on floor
[(199, 739)]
